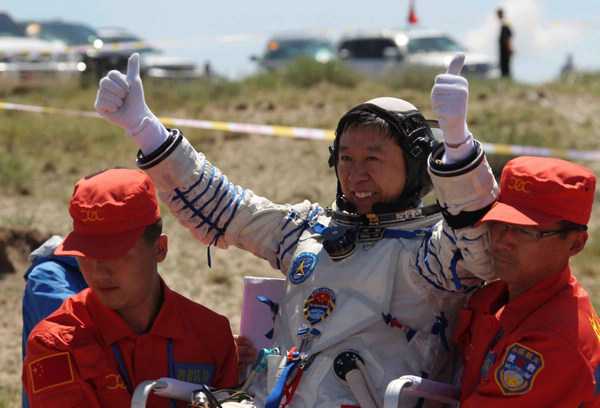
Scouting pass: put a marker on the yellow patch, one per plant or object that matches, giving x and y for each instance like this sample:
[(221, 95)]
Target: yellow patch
[(595, 325), (517, 372)]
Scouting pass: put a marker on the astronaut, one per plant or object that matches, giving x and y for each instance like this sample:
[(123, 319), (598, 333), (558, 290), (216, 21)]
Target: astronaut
[(374, 281)]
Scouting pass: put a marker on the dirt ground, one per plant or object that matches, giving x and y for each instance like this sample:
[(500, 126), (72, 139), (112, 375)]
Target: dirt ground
[(15, 244)]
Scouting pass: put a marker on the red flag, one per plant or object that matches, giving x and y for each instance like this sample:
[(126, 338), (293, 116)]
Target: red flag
[(412, 16), (50, 371)]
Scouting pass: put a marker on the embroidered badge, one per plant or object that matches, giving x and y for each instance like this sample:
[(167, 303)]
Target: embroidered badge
[(51, 371), (302, 267), (516, 373), (319, 305), (194, 373)]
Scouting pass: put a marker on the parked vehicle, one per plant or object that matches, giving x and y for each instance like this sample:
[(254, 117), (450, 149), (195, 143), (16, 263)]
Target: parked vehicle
[(153, 62), (81, 40), (28, 62), (282, 50), (383, 51), (105, 49)]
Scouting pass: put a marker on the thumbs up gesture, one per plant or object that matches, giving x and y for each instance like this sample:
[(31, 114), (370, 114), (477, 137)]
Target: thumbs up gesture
[(449, 98), (120, 100)]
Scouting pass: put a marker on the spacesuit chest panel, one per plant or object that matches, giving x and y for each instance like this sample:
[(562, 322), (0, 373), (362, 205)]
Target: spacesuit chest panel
[(338, 298)]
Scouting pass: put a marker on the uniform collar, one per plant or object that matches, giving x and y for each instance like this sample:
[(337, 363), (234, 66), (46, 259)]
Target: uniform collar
[(514, 312), (113, 328)]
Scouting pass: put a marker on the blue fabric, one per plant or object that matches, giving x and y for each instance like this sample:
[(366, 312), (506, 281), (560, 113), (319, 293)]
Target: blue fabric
[(597, 378), (274, 398), (49, 281)]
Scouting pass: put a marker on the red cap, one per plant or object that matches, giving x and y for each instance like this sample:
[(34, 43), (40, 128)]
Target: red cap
[(541, 191), (110, 211)]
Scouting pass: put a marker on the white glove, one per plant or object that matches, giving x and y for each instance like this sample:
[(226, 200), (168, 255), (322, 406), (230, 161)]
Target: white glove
[(120, 100), (449, 98)]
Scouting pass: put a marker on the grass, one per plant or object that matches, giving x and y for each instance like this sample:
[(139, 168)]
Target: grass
[(42, 156)]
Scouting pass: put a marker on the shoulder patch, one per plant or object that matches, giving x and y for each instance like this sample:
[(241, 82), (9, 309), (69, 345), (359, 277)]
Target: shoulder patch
[(516, 373), (302, 267), (51, 371), (593, 319)]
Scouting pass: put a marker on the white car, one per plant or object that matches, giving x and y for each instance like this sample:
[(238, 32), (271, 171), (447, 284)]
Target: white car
[(382, 51), (28, 62), (153, 63)]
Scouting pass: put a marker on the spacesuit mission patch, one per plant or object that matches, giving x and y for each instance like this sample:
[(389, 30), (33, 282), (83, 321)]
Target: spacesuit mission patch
[(302, 267), (319, 305)]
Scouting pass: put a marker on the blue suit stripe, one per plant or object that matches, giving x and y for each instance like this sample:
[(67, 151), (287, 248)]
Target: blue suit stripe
[(431, 277), (298, 231), (222, 230), (215, 221), (199, 211)]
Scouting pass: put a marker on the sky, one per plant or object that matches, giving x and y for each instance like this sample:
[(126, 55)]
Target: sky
[(227, 33)]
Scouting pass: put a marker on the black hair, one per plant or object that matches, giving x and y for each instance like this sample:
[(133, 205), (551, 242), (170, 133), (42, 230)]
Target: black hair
[(153, 231), (567, 226)]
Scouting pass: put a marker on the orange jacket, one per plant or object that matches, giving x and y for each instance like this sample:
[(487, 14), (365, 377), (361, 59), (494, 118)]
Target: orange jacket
[(71, 362), (540, 350)]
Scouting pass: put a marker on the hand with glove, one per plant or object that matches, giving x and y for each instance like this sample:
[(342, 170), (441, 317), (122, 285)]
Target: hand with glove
[(449, 98), (120, 100)]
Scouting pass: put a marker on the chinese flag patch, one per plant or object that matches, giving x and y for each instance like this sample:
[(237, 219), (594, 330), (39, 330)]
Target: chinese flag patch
[(51, 371)]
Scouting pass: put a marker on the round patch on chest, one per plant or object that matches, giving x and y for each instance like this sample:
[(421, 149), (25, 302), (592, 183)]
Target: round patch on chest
[(302, 267), (319, 305)]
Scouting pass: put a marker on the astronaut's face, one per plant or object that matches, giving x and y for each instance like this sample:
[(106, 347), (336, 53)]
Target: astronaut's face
[(371, 168)]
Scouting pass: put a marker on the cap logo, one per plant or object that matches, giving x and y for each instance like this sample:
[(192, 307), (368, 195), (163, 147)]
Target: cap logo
[(91, 216), (115, 382), (520, 185)]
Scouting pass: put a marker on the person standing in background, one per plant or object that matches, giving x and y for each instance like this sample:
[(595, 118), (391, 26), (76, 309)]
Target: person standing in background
[(506, 50)]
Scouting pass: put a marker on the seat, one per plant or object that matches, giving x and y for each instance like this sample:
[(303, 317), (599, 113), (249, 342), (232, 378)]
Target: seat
[(420, 387), (170, 388), (407, 384)]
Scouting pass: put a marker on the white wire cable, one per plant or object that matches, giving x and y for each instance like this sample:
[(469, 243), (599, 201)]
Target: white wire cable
[(248, 381)]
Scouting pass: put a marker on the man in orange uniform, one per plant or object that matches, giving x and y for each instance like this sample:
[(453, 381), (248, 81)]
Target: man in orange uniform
[(532, 338), (128, 326)]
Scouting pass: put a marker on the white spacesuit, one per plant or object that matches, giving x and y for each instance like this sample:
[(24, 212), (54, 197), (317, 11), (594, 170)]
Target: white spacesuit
[(410, 274), (369, 297)]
